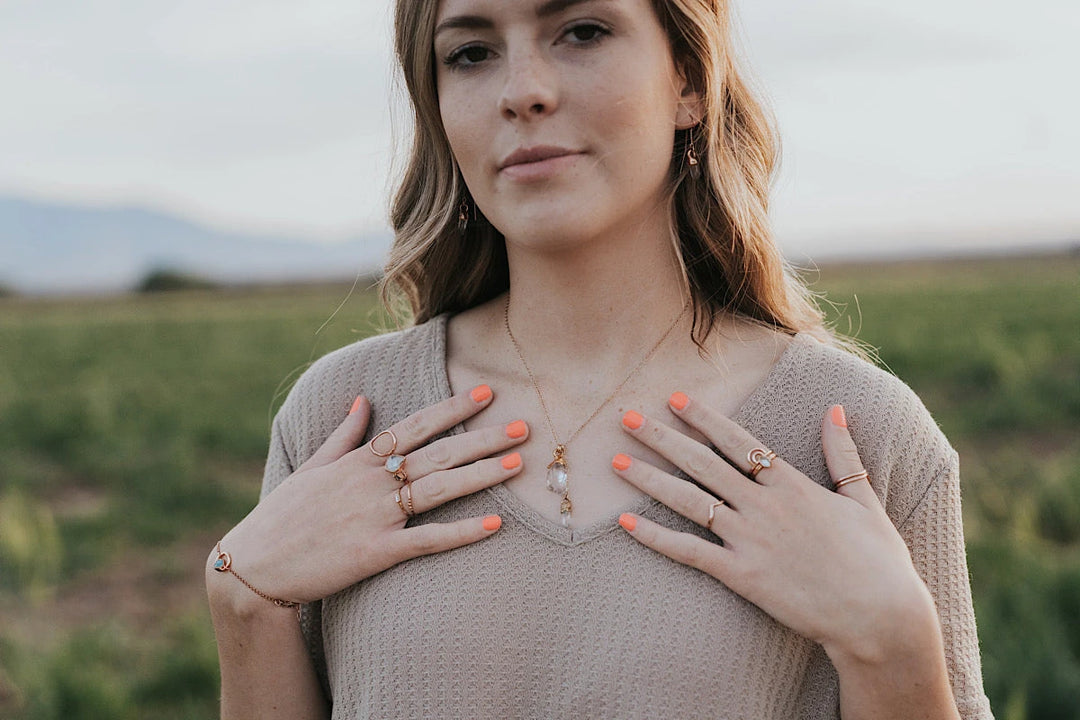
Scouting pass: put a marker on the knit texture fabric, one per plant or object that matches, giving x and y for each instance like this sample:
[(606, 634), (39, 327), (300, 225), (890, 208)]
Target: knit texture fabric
[(539, 621)]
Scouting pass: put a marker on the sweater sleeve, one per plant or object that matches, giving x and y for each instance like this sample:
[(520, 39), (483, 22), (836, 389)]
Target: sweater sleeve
[(934, 533)]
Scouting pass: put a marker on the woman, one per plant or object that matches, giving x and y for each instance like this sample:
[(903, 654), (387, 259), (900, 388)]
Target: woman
[(609, 473)]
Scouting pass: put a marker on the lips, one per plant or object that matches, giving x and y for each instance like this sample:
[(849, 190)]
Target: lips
[(539, 153)]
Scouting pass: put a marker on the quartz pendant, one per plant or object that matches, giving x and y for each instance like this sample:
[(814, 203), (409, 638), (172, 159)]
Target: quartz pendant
[(564, 511), (557, 478)]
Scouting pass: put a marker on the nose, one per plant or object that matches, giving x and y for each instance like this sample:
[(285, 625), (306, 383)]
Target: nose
[(531, 87)]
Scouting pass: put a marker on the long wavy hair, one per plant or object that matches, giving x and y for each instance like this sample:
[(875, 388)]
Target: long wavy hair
[(719, 208)]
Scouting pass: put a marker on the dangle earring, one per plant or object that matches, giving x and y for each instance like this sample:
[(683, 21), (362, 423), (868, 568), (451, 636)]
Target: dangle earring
[(463, 215), (691, 156)]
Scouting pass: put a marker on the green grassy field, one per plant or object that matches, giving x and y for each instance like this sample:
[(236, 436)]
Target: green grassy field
[(133, 430)]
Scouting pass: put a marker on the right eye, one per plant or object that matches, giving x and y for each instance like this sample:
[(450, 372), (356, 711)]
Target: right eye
[(467, 56)]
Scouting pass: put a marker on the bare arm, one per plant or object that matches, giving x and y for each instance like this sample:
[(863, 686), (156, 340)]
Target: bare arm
[(266, 671)]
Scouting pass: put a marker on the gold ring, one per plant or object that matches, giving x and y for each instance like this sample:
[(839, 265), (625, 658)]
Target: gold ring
[(759, 459), (854, 477), (712, 512), (410, 511), (395, 465), (393, 444), (407, 509)]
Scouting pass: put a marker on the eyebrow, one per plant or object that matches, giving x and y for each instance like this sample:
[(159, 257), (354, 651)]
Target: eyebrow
[(474, 22)]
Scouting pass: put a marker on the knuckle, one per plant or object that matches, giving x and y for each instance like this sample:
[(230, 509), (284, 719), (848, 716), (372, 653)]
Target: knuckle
[(701, 463), (435, 489), (427, 543), (437, 454), (416, 425)]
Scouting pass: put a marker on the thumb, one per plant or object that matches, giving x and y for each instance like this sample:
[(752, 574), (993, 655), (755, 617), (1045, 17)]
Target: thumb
[(345, 438), (842, 457)]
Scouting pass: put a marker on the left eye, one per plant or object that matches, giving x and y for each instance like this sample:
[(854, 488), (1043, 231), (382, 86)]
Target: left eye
[(586, 33)]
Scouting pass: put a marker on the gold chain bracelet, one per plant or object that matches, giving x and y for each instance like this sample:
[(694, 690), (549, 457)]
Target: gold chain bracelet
[(223, 563)]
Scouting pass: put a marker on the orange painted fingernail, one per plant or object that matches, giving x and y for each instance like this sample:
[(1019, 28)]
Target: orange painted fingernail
[(628, 521), (492, 523), (356, 404), (620, 462), (678, 400), (632, 420), (480, 393), (838, 417), (516, 429), (511, 461)]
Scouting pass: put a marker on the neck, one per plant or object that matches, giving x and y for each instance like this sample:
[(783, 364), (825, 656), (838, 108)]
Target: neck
[(599, 300)]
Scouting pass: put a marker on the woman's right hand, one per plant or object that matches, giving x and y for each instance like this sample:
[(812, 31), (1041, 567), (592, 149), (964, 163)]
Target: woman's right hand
[(335, 522)]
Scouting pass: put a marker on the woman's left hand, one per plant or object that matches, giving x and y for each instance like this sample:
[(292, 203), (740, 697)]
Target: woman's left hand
[(828, 564)]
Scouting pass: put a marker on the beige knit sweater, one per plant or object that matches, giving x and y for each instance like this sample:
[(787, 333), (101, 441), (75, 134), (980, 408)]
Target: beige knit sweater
[(539, 621)]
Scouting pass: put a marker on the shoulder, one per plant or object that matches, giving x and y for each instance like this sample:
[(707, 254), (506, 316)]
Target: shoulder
[(396, 371), (900, 443)]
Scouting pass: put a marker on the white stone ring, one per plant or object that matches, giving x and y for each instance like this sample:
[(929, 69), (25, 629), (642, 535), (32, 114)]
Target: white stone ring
[(759, 459), (395, 465)]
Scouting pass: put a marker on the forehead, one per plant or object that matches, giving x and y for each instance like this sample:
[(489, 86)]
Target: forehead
[(536, 8)]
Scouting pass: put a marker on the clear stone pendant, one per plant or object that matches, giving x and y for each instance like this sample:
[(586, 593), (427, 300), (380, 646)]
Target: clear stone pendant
[(557, 475), (564, 511)]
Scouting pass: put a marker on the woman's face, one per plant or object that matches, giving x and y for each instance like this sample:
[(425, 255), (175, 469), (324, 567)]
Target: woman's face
[(561, 113)]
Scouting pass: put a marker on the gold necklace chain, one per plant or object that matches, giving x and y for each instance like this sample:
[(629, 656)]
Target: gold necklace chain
[(558, 480)]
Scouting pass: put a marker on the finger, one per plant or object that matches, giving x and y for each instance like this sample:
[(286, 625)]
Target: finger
[(431, 538), (708, 557), (723, 432), (445, 485), (345, 437), (693, 458), (683, 497), (459, 450), (842, 457), (415, 430)]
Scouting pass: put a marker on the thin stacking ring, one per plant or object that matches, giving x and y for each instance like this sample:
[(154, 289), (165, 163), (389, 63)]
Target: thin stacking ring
[(759, 458), (408, 500), (393, 444), (712, 512), (395, 465), (854, 477), (405, 508)]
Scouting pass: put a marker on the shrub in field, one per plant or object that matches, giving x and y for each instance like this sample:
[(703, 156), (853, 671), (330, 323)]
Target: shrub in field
[(30, 549), (165, 280)]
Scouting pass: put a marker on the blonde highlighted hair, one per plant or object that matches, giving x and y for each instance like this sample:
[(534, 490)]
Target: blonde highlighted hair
[(719, 216)]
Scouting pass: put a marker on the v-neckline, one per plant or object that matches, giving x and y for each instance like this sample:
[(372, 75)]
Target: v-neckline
[(527, 514)]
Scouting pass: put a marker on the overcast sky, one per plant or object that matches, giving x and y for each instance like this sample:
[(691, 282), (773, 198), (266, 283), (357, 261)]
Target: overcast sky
[(946, 123)]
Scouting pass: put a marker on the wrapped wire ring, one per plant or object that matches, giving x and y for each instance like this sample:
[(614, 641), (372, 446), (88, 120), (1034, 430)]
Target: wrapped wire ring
[(759, 459), (854, 477)]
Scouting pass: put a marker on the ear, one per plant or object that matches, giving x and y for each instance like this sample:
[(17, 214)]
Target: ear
[(691, 107)]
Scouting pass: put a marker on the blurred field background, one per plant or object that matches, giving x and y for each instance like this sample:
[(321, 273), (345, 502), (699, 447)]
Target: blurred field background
[(133, 431)]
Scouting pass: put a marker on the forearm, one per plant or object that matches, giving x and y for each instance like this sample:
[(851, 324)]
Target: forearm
[(266, 671), (904, 677)]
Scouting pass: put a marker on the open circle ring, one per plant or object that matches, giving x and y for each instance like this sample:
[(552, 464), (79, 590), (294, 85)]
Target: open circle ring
[(393, 444), (759, 459)]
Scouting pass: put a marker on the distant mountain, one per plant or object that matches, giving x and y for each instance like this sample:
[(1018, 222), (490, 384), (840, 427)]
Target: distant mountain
[(49, 247)]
